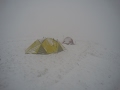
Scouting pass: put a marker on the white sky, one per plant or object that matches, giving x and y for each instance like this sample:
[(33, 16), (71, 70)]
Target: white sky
[(96, 20)]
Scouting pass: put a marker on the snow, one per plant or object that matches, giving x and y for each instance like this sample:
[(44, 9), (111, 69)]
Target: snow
[(93, 63), (50, 42)]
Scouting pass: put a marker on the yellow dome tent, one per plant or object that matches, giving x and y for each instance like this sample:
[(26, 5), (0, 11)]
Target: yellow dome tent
[(45, 46)]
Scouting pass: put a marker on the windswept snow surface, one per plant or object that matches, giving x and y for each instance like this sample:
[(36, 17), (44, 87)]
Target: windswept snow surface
[(93, 63)]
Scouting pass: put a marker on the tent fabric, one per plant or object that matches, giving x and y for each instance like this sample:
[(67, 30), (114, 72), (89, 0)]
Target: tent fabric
[(46, 46), (68, 41), (34, 47)]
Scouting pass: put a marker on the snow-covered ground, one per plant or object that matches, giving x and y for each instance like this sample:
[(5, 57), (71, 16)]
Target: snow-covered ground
[(93, 63)]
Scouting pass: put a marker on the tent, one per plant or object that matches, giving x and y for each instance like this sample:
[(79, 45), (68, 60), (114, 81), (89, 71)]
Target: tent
[(45, 46), (68, 41)]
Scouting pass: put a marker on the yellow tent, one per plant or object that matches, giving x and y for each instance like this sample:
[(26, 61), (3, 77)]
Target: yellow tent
[(45, 46)]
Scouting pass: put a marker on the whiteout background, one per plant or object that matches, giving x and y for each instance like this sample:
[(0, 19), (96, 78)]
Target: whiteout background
[(92, 64)]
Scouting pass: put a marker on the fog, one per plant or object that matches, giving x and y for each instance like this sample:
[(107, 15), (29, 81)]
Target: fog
[(85, 19), (88, 20)]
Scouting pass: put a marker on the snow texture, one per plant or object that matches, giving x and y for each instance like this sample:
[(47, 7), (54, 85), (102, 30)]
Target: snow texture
[(93, 63), (50, 42)]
